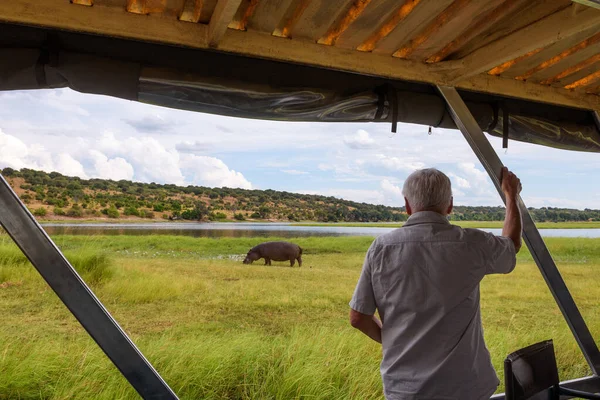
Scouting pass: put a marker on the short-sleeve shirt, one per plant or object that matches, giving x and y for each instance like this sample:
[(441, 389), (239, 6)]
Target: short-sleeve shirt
[(423, 279)]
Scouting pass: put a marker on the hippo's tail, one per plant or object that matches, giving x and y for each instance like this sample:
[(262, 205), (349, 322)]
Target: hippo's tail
[(300, 253)]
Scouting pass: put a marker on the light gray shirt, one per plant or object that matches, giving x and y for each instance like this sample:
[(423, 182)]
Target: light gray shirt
[(423, 279)]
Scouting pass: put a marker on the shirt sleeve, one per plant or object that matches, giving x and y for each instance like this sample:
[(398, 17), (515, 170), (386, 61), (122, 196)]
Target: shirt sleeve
[(363, 299), (500, 254)]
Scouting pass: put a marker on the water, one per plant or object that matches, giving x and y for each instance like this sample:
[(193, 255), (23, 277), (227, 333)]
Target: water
[(223, 229)]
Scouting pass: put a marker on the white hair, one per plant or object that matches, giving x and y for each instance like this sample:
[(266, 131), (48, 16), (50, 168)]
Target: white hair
[(428, 190)]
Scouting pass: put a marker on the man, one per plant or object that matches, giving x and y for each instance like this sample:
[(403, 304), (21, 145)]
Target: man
[(423, 279)]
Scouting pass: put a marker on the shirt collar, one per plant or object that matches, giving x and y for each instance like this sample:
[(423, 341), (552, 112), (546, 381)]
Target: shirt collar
[(426, 217)]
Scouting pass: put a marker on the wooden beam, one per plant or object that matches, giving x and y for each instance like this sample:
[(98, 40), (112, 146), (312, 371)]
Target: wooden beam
[(116, 22), (243, 15), (192, 9), (475, 29), (554, 28), (334, 32), (573, 69), (584, 82), (550, 62), (222, 16), (440, 20), (508, 64), (403, 11), (293, 15)]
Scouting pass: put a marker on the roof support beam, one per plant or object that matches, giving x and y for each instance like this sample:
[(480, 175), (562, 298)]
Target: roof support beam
[(477, 28), (222, 16), (115, 22), (558, 26)]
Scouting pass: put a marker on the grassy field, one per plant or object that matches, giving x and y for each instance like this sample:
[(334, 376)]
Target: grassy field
[(464, 224), (217, 329)]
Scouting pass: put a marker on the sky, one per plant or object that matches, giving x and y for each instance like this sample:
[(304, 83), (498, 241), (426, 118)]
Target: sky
[(93, 136)]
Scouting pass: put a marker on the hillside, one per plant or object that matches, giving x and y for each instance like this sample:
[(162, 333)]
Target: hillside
[(53, 196)]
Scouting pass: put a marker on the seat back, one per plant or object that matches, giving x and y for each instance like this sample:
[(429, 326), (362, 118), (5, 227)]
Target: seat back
[(530, 370)]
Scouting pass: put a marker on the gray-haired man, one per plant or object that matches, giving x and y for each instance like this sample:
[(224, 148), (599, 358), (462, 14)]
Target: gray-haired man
[(423, 279)]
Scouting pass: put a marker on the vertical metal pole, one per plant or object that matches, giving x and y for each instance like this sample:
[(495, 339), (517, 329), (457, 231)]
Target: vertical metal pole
[(79, 299), (492, 164)]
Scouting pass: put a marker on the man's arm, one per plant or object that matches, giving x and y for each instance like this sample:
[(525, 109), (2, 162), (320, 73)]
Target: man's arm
[(511, 186), (367, 324)]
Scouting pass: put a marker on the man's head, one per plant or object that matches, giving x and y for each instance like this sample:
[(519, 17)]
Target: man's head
[(428, 190)]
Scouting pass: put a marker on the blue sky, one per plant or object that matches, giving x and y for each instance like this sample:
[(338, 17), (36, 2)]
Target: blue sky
[(98, 136)]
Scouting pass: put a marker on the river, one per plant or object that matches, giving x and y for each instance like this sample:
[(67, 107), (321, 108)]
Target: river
[(249, 229)]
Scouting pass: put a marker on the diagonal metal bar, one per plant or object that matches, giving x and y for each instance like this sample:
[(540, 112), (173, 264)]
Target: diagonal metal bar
[(492, 164), (79, 299)]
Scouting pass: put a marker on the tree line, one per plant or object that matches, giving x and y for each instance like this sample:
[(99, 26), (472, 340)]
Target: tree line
[(52, 193)]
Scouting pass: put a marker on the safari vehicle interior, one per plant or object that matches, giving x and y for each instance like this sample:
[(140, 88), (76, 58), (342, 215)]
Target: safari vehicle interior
[(518, 69)]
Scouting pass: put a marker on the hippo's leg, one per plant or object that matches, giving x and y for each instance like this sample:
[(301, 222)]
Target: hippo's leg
[(292, 262), (299, 261), (267, 261)]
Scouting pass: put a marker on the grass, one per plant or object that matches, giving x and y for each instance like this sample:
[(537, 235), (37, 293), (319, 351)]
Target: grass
[(217, 329)]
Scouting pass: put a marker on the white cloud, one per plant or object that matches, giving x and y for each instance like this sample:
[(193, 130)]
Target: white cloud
[(141, 159), (67, 165), (407, 164), (294, 172), (116, 168), (360, 140), (16, 154), (390, 189), (210, 171)]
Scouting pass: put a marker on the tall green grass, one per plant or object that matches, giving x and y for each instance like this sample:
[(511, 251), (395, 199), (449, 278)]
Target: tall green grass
[(217, 329)]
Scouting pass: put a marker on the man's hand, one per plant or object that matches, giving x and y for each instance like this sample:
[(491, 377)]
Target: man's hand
[(511, 185), (367, 324)]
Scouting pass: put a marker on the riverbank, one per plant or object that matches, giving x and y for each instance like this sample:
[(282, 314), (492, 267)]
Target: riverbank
[(217, 329), (464, 224)]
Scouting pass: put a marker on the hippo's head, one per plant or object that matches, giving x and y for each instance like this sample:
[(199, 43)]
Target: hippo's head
[(251, 257)]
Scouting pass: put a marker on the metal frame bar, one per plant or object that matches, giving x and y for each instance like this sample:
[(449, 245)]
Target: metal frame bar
[(587, 384), (77, 296), (493, 165)]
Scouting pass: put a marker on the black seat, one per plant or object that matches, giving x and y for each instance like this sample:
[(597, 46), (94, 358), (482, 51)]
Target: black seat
[(532, 370)]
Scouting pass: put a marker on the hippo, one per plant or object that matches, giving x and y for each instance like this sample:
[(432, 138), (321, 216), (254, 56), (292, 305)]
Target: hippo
[(277, 251)]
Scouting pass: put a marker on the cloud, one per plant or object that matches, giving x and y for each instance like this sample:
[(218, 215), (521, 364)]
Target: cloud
[(406, 164), (391, 190), (360, 140), (193, 147), (152, 123), (67, 165), (16, 154), (141, 159), (210, 171), (116, 168), (294, 172)]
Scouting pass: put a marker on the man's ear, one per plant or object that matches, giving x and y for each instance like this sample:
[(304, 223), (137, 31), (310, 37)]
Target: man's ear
[(408, 209), (451, 206)]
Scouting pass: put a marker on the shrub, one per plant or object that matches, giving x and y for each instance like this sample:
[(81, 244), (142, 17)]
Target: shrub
[(131, 210), (40, 212), (255, 215), (59, 211), (239, 217), (112, 212), (159, 207), (75, 211), (26, 198), (93, 213), (218, 215), (148, 214)]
